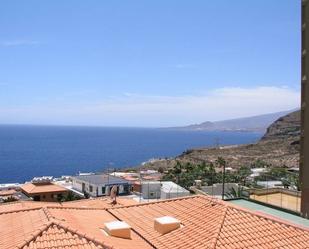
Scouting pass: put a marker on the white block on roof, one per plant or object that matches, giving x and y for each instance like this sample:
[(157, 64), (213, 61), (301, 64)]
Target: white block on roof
[(166, 224), (118, 229)]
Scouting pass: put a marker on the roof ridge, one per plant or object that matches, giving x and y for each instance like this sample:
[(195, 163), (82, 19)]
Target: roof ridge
[(82, 235), (220, 228), (47, 213), (20, 210), (47, 225), (134, 230), (78, 208), (34, 235), (162, 201), (89, 199)]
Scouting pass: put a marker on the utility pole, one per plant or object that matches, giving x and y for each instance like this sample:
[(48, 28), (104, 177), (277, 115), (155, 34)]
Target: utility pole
[(304, 136), (222, 164), (223, 180)]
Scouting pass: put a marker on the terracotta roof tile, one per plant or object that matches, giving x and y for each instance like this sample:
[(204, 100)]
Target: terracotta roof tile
[(31, 188), (56, 236), (206, 223), (102, 202), (17, 227), (22, 205), (209, 223), (190, 211), (91, 222)]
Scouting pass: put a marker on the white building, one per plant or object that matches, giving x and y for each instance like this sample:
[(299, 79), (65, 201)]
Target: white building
[(172, 190), (100, 184), (162, 190), (270, 184), (255, 172)]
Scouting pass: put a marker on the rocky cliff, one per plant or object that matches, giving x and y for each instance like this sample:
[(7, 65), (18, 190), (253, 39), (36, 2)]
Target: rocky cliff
[(279, 147)]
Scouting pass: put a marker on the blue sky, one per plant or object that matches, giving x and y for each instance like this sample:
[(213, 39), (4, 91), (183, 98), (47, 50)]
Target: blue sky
[(147, 63)]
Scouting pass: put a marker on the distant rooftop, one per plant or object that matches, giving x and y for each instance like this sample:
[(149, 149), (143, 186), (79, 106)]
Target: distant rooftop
[(170, 187), (34, 188), (101, 179)]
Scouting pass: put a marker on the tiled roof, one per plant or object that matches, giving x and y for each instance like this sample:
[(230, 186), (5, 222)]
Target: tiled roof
[(31, 188), (101, 202), (23, 205), (16, 227), (58, 235), (205, 223), (210, 223)]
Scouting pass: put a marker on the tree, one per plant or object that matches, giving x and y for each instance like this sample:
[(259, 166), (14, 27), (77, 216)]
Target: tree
[(243, 173), (86, 195), (222, 164), (234, 193), (10, 199), (71, 197), (161, 170)]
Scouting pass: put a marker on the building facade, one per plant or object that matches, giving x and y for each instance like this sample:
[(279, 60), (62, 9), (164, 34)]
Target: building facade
[(304, 153), (100, 184)]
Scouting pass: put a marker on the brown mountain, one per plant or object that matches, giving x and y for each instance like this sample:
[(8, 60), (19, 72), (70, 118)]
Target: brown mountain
[(279, 147)]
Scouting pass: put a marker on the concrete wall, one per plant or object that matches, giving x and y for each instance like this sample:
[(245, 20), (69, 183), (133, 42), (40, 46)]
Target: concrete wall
[(97, 190), (151, 190), (169, 195), (172, 190)]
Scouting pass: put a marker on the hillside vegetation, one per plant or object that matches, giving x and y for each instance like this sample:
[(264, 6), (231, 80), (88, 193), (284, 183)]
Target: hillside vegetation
[(279, 147)]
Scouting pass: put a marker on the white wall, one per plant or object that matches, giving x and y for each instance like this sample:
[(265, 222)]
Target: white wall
[(77, 184), (151, 190)]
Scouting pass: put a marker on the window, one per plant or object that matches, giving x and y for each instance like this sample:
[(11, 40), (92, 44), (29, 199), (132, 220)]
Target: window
[(126, 188), (90, 188), (103, 190)]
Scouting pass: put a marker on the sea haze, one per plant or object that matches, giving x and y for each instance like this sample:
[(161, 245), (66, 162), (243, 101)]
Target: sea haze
[(28, 151)]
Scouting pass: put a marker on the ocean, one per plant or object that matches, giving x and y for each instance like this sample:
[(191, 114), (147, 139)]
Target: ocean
[(28, 151)]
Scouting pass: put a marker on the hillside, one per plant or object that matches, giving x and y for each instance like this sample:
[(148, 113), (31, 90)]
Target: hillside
[(254, 123), (285, 127), (279, 147)]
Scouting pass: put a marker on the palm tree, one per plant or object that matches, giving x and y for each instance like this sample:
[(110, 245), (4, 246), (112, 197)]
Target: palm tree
[(234, 193)]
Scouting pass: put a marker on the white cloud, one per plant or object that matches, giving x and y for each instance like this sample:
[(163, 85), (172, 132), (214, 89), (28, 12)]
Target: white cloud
[(147, 110), (18, 43)]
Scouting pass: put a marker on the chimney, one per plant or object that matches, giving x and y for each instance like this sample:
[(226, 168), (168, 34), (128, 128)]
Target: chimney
[(166, 224), (118, 229)]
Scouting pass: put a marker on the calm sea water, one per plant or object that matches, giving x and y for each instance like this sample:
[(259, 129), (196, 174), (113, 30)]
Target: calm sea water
[(28, 151)]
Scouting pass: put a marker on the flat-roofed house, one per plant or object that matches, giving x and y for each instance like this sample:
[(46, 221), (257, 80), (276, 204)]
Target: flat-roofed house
[(44, 191), (100, 184)]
